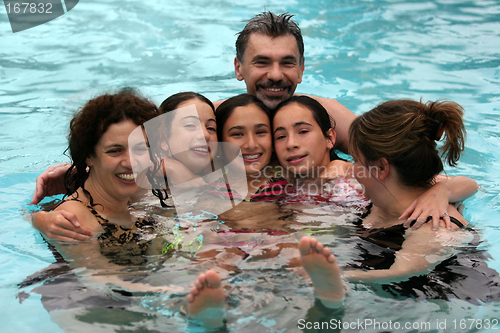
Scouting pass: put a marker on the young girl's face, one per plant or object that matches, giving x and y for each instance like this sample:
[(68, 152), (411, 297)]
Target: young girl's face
[(192, 132), (249, 127), (298, 140)]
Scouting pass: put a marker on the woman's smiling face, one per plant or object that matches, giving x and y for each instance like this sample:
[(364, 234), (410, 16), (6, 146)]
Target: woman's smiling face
[(298, 140), (110, 165)]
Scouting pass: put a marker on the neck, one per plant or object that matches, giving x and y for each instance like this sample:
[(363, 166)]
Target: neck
[(254, 181), (313, 173), (398, 199), (107, 204)]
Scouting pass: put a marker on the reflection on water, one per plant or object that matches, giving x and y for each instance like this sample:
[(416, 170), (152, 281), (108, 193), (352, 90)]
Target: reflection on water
[(253, 248)]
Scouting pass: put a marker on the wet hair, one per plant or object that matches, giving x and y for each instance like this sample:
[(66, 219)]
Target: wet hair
[(173, 102), (319, 113), (92, 121), (225, 110), (405, 133), (271, 25)]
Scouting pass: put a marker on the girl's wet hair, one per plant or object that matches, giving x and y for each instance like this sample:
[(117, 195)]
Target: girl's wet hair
[(92, 121), (173, 102), (319, 113), (405, 133), (159, 131), (227, 107)]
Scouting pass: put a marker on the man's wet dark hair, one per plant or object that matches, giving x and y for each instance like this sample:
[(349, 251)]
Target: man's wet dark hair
[(271, 25)]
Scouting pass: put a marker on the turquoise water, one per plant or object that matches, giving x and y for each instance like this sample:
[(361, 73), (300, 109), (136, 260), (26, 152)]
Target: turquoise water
[(358, 52)]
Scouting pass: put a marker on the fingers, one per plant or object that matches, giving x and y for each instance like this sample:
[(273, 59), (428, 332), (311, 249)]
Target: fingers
[(447, 221), (38, 195), (435, 222), (435, 218), (53, 173), (415, 216), (72, 237), (57, 170), (66, 235), (70, 217), (64, 226), (416, 223)]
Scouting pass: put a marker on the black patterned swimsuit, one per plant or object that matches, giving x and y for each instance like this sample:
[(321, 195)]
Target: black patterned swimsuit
[(123, 245), (465, 275)]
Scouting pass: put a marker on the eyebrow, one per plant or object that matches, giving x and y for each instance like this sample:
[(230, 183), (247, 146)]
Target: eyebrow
[(261, 57), (195, 117), (289, 57), (240, 127), (113, 146), (187, 117), (297, 124), (237, 127)]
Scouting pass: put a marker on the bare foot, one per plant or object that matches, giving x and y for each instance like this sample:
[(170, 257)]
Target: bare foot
[(206, 300), (320, 264)]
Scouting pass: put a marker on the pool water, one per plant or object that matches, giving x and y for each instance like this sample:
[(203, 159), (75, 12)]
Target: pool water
[(358, 52)]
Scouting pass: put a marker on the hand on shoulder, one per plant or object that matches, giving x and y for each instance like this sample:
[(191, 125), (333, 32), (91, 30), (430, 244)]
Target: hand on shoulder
[(50, 182), (61, 225)]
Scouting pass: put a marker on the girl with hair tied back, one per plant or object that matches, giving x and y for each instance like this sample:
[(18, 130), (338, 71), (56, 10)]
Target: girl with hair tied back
[(396, 160)]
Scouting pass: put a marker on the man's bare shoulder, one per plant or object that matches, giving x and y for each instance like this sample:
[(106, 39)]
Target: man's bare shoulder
[(217, 103), (342, 119), (330, 104)]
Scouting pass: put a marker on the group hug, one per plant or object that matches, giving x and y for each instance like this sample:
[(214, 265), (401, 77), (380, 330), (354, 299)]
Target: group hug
[(257, 147)]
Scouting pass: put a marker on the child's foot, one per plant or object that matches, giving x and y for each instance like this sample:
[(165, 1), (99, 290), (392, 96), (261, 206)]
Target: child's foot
[(206, 300), (320, 264)]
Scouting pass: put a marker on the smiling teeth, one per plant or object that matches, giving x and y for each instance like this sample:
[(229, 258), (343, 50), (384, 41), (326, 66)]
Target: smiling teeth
[(252, 157), (202, 149), (275, 89), (126, 176)]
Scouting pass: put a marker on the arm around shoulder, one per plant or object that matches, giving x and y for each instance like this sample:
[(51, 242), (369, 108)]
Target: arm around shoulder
[(459, 187), (61, 224)]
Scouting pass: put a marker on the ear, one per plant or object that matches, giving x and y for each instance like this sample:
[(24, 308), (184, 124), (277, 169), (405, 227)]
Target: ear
[(384, 168), (88, 161), (331, 138), (237, 69), (301, 69), (165, 147)]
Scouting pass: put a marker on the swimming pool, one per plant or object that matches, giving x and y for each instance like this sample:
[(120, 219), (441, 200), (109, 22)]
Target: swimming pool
[(359, 52)]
